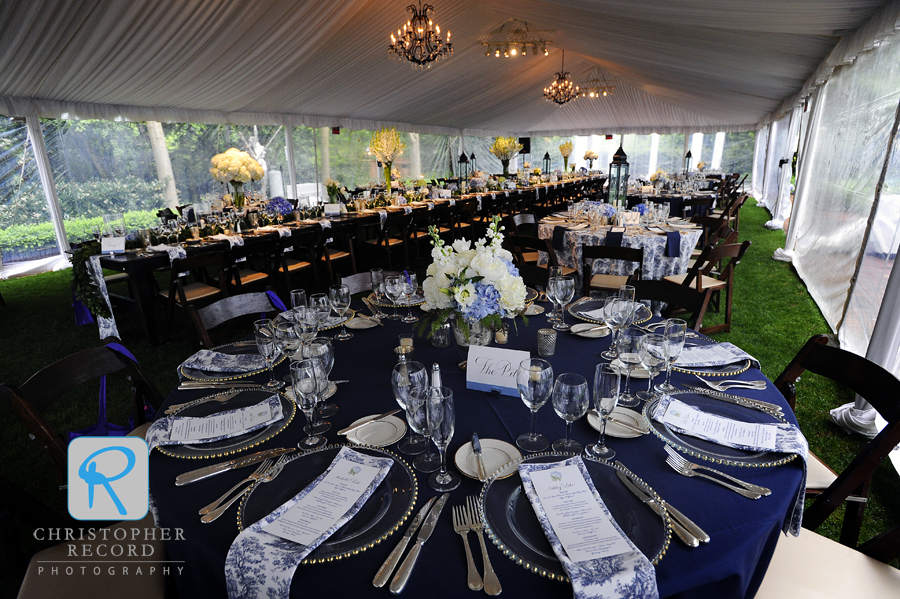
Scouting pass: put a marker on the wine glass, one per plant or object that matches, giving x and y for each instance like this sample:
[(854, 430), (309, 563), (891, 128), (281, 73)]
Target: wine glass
[(286, 339), (376, 275), (265, 344), (606, 396), (629, 358), (305, 387), (614, 313), (441, 418), (322, 307), (298, 298), (570, 402), (674, 333), (406, 379), (417, 417), (535, 382), (653, 358), (626, 292), (339, 295), (306, 324), (321, 348), (409, 288), (565, 291), (393, 287), (553, 272)]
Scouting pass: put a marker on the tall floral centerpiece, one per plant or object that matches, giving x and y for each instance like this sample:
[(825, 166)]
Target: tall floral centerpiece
[(472, 287), (333, 188), (235, 168), (387, 146), (565, 149), (590, 156), (505, 148)]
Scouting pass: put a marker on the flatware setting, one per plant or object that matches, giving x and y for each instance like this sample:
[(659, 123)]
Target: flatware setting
[(387, 568), (753, 404), (212, 398), (260, 470), (208, 471), (685, 470), (262, 475), (733, 384), (402, 576), (461, 527), (684, 463), (491, 582)]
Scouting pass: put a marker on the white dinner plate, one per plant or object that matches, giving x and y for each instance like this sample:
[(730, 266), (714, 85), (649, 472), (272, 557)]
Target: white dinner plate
[(378, 434), (361, 323), (583, 329), (637, 373), (495, 453), (617, 430), (534, 310)]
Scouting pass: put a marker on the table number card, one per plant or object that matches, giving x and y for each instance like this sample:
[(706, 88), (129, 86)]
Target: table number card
[(494, 369), (333, 208), (112, 245)]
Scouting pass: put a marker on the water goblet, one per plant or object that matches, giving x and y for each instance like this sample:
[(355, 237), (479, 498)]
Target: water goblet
[(321, 348), (565, 291), (552, 272), (305, 391), (408, 378), (409, 288), (376, 275), (606, 396), (626, 292), (306, 324), (298, 298), (674, 333), (321, 306), (268, 349), (286, 339), (441, 418), (629, 358), (393, 288), (570, 402), (339, 296), (653, 357), (417, 417), (535, 383), (614, 314)]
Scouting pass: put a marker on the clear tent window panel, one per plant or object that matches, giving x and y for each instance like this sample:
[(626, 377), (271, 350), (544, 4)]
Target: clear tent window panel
[(737, 154)]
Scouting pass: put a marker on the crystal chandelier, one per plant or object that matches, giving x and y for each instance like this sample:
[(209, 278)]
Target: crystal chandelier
[(513, 38), (420, 40), (562, 90)]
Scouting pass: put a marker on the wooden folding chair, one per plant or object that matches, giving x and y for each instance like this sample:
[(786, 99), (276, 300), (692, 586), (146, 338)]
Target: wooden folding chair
[(226, 310), (609, 282), (679, 299), (531, 272), (199, 292)]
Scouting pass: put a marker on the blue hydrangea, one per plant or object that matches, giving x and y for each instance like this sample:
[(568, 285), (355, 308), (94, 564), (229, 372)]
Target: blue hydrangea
[(281, 205), (608, 210), (641, 208)]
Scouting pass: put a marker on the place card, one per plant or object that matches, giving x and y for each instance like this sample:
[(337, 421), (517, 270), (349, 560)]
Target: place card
[(332, 208), (579, 522), (112, 245), (225, 424), (326, 503), (718, 429), (494, 369)]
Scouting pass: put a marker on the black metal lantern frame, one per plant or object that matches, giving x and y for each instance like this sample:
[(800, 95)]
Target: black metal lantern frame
[(618, 178), (473, 163), (547, 166), (688, 159), (462, 168)]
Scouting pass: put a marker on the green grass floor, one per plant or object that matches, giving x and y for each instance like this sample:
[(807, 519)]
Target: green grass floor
[(773, 317)]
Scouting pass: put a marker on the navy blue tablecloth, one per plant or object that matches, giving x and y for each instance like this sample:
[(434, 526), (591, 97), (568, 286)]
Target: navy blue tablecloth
[(744, 532)]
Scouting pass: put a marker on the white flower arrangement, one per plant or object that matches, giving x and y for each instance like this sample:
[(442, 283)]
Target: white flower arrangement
[(590, 155), (566, 149), (386, 145), (234, 166), (659, 175)]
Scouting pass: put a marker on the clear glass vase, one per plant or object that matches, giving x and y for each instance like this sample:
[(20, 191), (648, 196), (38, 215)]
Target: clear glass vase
[(478, 334)]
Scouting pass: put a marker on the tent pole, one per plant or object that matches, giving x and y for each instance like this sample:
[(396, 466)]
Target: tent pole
[(289, 152)]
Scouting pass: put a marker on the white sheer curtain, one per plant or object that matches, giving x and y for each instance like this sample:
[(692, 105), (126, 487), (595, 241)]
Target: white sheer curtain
[(759, 162)]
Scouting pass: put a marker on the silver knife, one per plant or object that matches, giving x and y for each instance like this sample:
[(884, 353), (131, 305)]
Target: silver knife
[(387, 568), (204, 385), (754, 404), (406, 567), (479, 459), (350, 429), (201, 473), (689, 539)]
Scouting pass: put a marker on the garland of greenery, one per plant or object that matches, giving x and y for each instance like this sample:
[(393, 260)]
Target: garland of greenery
[(86, 290)]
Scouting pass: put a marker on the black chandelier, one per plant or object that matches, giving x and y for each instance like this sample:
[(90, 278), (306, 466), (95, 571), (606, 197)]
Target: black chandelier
[(420, 40), (562, 90)]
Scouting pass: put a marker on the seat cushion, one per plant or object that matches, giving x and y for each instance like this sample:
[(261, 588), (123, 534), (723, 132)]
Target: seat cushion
[(251, 276), (391, 242), (813, 567), (705, 282), (294, 264), (530, 256), (601, 281), (334, 254), (818, 476), (194, 292)]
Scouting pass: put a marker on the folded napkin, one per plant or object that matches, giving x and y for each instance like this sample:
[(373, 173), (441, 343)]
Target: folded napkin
[(788, 439), (673, 244), (715, 354), (282, 231), (175, 252), (233, 240), (326, 224), (594, 314), (559, 236), (614, 238), (213, 361), (578, 227), (624, 575), (160, 431), (260, 564)]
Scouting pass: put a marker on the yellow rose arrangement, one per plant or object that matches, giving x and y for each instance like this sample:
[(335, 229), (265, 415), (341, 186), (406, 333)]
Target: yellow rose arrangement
[(235, 168), (387, 146), (505, 148)]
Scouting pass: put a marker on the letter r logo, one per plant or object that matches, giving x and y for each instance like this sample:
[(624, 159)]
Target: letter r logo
[(108, 478)]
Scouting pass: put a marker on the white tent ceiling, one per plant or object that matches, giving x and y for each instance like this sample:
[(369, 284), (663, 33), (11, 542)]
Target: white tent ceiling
[(688, 65)]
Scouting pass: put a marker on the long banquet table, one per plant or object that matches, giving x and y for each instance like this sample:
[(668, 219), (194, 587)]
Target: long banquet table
[(744, 532)]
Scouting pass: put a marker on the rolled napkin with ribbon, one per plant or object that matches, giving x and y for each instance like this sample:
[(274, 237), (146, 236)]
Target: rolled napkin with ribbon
[(213, 361), (262, 559), (778, 437), (715, 354), (600, 559), (233, 240)]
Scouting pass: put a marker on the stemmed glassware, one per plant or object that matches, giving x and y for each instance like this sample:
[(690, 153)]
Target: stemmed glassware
[(535, 382), (286, 339), (410, 287), (553, 272), (606, 396), (306, 391), (674, 333), (393, 288), (441, 418), (268, 349), (376, 275), (617, 314), (319, 303), (653, 357), (298, 298), (629, 358), (570, 402), (306, 324), (564, 291), (339, 296), (320, 348), (409, 378)]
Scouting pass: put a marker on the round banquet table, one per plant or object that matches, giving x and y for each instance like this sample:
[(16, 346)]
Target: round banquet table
[(744, 532)]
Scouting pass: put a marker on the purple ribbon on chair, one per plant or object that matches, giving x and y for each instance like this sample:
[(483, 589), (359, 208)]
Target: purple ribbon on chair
[(82, 314), (614, 239), (276, 301), (673, 244)]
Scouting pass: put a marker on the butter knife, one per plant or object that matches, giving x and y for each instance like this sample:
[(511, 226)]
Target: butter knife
[(406, 567), (201, 473), (754, 404), (387, 568), (690, 539), (479, 459), (352, 428)]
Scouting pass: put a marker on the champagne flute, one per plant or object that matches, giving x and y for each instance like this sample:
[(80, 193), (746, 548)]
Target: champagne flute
[(629, 358), (552, 272), (674, 333), (393, 287), (408, 378), (606, 396), (305, 387), (570, 402), (376, 275), (535, 382), (653, 358), (265, 344), (339, 295), (565, 291), (409, 288), (441, 418), (321, 348)]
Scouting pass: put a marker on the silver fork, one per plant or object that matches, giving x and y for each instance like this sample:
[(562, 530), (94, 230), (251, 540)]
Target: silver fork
[(753, 385), (256, 474), (269, 476), (678, 458), (220, 398), (462, 528), (491, 582), (688, 472)]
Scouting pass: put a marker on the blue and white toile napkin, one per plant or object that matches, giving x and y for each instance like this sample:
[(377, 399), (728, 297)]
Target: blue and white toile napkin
[(175, 251), (618, 576), (716, 354), (233, 240), (213, 361), (260, 564)]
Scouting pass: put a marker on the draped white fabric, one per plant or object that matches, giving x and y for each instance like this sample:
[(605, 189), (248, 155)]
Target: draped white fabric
[(704, 66)]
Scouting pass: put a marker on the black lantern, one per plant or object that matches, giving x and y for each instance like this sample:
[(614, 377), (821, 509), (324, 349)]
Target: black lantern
[(462, 168), (473, 163), (546, 169), (618, 178), (687, 162)]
